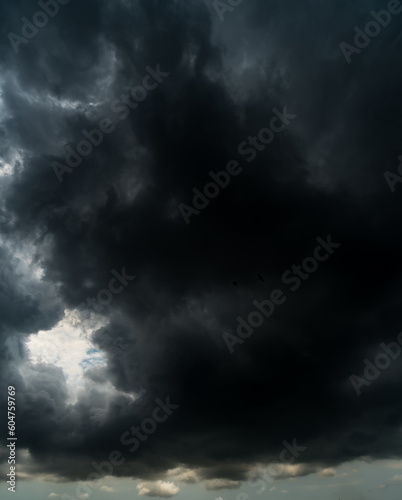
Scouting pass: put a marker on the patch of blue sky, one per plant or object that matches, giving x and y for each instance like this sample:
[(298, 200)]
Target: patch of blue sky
[(94, 358)]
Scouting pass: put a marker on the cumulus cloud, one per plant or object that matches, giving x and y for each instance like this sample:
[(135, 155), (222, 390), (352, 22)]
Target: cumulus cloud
[(184, 475), (221, 483), (107, 489), (282, 471), (159, 488), (328, 472)]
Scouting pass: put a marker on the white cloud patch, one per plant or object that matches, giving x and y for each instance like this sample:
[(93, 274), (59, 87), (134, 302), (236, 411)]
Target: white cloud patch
[(183, 474), (164, 489), (107, 489), (220, 484), (282, 471), (329, 472), (67, 346), (8, 167)]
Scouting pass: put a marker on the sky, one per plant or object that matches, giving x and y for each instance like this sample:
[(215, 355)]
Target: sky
[(200, 254)]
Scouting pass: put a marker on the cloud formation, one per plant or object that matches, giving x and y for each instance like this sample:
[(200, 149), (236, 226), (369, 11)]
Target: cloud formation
[(162, 489), (162, 336)]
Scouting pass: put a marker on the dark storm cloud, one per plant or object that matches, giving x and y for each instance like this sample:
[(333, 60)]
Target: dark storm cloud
[(25, 306), (323, 175)]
